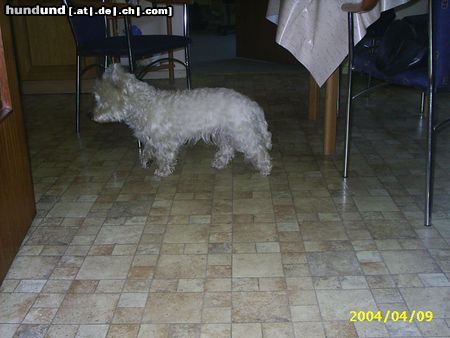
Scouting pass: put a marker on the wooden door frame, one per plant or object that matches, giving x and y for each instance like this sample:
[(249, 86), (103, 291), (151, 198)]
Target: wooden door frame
[(17, 206)]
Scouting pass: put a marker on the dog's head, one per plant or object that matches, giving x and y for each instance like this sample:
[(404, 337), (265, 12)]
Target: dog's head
[(111, 94)]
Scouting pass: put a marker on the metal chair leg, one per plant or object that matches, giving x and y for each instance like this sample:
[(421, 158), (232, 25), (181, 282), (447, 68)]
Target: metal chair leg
[(350, 94), (430, 124), (77, 95), (127, 27), (422, 105), (187, 56), (430, 164), (188, 67)]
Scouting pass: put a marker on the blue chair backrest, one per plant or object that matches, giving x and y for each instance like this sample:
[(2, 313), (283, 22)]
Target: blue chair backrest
[(441, 43), (86, 28)]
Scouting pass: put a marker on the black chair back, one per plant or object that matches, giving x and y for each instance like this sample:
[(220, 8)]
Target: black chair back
[(86, 28), (441, 44)]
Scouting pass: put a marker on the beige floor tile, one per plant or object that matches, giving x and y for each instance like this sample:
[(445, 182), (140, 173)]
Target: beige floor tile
[(278, 330), (305, 313), (252, 206), (191, 207), (49, 300), (411, 261), (62, 331), (181, 266), (88, 331), (30, 285), (333, 263), (123, 331), (257, 265), (254, 232), (217, 299), (31, 330), (260, 307), (105, 267), (154, 330), (309, 330), (8, 330), (314, 205), (216, 315), (337, 304), (40, 316), (316, 231), (215, 331), (132, 300), (372, 329), (428, 299), (31, 267), (52, 236), (247, 330), (70, 209), (14, 306), (128, 315), (119, 234), (187, 233), (437, 327), (191, 285), (173, 308), (377, 203), (86, 309), (340, 329)]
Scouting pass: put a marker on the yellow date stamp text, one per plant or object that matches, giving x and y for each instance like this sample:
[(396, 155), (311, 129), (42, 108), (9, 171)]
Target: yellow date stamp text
[(391, 316)]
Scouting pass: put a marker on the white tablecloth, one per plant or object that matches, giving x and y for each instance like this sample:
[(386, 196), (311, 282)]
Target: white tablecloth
[(315, 31)]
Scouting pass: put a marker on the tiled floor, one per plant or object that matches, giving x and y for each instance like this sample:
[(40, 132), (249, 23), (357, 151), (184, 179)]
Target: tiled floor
[(116, 252)]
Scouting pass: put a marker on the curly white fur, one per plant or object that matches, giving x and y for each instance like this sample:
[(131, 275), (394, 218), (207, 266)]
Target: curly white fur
[(164, 120)]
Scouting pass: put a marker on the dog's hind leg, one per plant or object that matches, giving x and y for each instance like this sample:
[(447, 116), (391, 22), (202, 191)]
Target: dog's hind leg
[(223, 156)]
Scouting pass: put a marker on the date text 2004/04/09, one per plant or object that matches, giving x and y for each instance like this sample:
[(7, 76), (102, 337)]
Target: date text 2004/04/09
[(89, 10), (391, 315)]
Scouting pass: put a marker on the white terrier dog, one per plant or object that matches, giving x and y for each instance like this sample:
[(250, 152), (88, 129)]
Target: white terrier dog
[(164, 120)]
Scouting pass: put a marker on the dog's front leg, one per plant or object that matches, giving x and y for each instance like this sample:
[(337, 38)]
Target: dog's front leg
[(166, 158)]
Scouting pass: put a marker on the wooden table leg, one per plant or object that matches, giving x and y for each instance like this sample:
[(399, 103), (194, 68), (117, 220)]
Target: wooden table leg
[(331, 96), (314, 99)]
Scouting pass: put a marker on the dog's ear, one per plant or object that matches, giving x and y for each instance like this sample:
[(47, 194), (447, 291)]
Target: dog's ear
[(115, 73)]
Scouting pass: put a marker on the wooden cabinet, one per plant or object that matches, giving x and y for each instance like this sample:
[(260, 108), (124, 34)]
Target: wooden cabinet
[(17, 207), (255, 35), (45, 46)]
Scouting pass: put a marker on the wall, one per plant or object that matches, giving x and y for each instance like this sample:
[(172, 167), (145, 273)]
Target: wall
[(413, 8), (157, 25)]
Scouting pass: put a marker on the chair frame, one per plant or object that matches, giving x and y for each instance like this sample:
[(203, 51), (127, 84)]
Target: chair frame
[(131, 58), (432, 126)]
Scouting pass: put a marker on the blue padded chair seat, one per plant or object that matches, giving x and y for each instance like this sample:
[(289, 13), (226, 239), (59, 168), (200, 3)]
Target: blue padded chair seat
[(364, 61), (143, 45)]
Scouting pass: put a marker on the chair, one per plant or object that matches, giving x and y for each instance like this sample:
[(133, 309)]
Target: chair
[(92, 38), (430, 79)]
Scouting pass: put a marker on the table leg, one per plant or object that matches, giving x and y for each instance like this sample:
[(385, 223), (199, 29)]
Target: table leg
[(331, 96), (314, 99)]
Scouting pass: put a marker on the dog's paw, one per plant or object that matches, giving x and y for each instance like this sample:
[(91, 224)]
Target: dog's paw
[(265, 171), (146, 163), (218, 164), (163, 172)]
